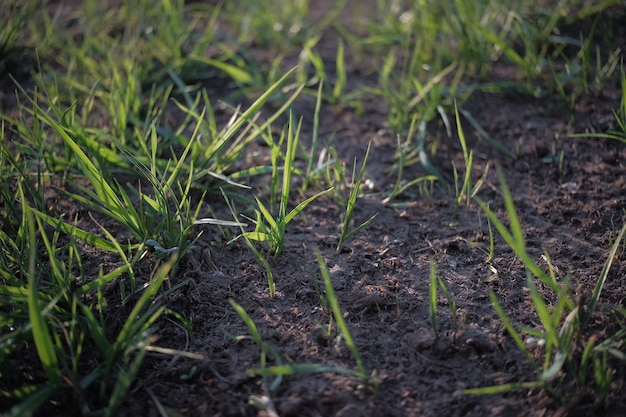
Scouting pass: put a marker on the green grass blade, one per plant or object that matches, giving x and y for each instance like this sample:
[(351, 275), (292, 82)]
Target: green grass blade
[(597, 291), (292, 146), (274, 225), (131, 325), (40, 331), (506, 320), (354, 193), (432, 297), (515, 237), (297, 369), (32, 402), (236, 73), (89, 238), (243, 314), (483, 133), (341, 323), (340, 84), (357, 229), (256, 106), (315, 134), (500, 389), (296, 210)]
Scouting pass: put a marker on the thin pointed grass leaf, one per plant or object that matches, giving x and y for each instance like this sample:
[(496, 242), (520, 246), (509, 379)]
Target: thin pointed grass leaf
[(597, 291), (483, 133), (514, 224), (31, 404), (273, 223), (296, 210), (182, 89), (229, 180), (362, 226), (292, 144), (500, 43), (345, 235), (239, 122), (258, 236), (175, 352), (96, 331), (500, 389), (298, 369), (41, 332), (543, 312), (432, 82), (410, 184), (315, 135), (423, 156), (432, 297), (338, 315), (236, 73), (506, 320), (340, 84), (107, 196), (208, 220), (612, 136), (515, 237), (256, 336), (132, 324), (553, 371), (124, 380), (257, 254), (157, 247), (444, 117), (467, 157), (564, 337), (245, 317), (448, 296)]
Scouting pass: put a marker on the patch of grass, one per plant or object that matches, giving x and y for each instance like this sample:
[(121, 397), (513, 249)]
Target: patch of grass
[(271, 228), (48, 306), (125, 120), (564, 320)]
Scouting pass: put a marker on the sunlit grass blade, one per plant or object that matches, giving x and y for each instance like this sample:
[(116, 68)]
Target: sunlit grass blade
[(133, 325), (264, 346), (432, 297), (256, 106), (347, 234), (338, 315), (340, 84), (468, 157), (500, 389), (87, 237), (255, 251), (515, 236), (597, 291), (315, 133), (297, 369), (506, 320), (302, 205)]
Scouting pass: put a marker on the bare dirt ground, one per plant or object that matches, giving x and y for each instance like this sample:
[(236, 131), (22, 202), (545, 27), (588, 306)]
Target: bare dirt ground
[(570, 207)]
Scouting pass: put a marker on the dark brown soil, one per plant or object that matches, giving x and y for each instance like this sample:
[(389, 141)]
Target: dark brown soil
[(570, 194)]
